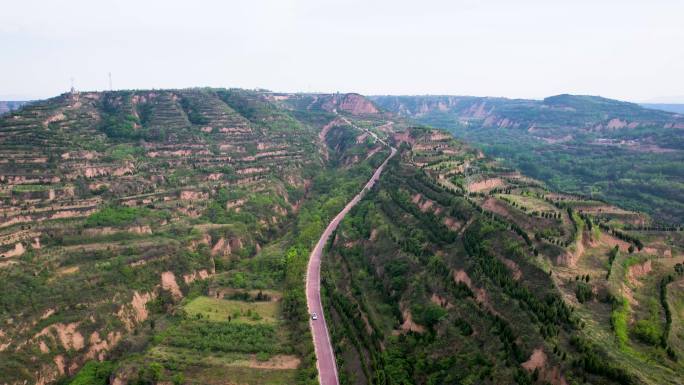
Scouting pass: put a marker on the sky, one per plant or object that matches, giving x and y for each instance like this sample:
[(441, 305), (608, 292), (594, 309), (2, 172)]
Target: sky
[(623, 49)]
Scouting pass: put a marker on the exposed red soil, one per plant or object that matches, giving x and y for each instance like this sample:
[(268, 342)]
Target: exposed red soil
[(486, 184)]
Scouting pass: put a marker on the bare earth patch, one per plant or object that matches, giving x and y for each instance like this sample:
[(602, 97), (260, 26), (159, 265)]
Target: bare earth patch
[(460, 276), (452, 223), (409, 325), (168, 282), (538, 360), (515, 269), (637, 271), (495, 206), (441, 301), (486, 184), (67, 335)]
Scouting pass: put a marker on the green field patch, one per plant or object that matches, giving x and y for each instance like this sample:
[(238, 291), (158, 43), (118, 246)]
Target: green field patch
[(210, 336), (93, 373), (189, 357), (530, 203), (221, 375), (223, 310), (619, 320), (125, 151), (33, 187)]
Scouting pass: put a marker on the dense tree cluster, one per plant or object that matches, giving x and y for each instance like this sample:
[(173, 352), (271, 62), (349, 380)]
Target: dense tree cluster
[(593, 361)]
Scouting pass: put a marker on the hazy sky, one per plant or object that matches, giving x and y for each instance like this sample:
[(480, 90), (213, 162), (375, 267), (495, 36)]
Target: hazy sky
[(632, 50)]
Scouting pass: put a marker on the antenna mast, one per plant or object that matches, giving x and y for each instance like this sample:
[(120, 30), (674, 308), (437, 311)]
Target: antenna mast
[(110, 82)]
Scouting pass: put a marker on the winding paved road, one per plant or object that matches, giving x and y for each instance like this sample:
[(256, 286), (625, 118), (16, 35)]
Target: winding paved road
[(325, 356)]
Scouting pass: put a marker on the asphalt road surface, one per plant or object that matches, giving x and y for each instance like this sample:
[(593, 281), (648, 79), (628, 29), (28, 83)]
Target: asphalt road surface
[(325, 356)]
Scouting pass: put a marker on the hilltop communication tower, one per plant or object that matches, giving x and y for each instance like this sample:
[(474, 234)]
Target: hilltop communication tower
[(110, 82)]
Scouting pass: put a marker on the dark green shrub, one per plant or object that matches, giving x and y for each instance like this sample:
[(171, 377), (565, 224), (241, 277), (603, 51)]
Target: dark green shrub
[(583, 292)]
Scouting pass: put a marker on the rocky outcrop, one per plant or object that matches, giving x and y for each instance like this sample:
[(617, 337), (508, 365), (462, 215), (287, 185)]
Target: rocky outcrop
[(17, 251), (513, 267), (616, 123), (408, 325), (452, 223), (354, 104), (635, 272), (193, 195), (222, 247), (205, 240), (252, 170), (460, 276), (197, 275), (135, 312), (539, 361), (486, 184), (572, 255), (66, 334), (101, 231), (168, 282), (99, 347)]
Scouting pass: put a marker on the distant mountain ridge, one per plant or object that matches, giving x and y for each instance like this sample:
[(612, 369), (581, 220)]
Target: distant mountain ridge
[(7, 106), (677, 108), (560, 111), (620, 151)]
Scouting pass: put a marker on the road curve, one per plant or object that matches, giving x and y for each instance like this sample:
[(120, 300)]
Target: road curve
[(325, 357)]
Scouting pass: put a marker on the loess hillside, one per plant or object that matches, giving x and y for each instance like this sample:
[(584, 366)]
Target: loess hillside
[(130, 219), (458, 269), (621, 152), (161, 237)]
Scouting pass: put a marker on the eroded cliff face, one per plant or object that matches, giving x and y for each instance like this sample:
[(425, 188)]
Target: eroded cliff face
[(354, 104), (562, 111), (357, 105)]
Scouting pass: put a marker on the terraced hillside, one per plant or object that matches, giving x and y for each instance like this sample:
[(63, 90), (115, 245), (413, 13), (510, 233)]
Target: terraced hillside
[(621, 152), (458, 269), (132, 218), (158, 237)]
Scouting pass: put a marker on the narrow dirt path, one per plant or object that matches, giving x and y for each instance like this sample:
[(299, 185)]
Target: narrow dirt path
[(325, 356)]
